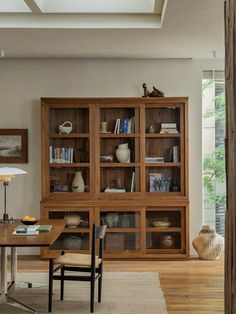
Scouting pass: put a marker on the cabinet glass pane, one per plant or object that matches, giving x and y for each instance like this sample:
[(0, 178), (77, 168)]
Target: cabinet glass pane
[(122, 241), (61, 178), (125, 179), (74, 219), (69, 150), (120, 219), (163, 219), (163, 240), (110, 115), (156, 116), (70, 241), (166, 148), (109, 145), (163, 179), (79, 117)]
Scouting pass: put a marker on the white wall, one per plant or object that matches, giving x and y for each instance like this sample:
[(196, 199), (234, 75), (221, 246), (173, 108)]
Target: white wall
[(23, 82)]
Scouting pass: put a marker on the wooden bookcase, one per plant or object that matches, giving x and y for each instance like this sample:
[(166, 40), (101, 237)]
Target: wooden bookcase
[(148, 221)]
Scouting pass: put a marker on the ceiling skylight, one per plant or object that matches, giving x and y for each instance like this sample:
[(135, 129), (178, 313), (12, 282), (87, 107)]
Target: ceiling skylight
[(13, 6), (82, 13), (97, 6)]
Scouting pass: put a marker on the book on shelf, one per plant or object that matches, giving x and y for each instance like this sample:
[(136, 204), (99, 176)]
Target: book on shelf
[(114, 190), (170, 131), (154, 159), (169, 128), (168, 125), (61, 155), (108, 158), (132, 188), (31, 229), (173, 154), (124, 126)]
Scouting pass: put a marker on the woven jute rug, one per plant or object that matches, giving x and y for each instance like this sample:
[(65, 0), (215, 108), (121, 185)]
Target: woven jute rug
[(123, 293)]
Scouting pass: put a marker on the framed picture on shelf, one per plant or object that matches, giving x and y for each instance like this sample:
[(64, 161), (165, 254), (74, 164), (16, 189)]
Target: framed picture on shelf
[(14, 146), (159, 182)]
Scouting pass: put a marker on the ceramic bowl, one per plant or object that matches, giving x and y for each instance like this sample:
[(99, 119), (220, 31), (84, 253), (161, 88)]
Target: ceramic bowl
[(65, 128), (161, 224), (73, 221)]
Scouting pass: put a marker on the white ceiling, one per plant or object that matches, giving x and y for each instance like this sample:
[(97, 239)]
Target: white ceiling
[(191, 29)]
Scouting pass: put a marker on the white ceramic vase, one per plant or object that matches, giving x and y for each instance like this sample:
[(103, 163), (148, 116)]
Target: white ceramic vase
[(78, 183), (123, 153), (208, 243)]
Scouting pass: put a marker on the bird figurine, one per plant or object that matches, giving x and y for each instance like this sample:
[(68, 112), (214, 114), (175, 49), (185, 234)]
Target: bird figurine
[(155, 93)]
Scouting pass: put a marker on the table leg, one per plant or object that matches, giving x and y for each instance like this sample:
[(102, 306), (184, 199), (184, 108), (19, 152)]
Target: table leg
[(3, 274), (14, 267), (4, 297)]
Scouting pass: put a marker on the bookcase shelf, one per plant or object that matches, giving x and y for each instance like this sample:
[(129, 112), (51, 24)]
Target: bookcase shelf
[(112, 135), (69, 165), (162, 135), (163, 164), (111, 165), (153, 193), (71, 135)]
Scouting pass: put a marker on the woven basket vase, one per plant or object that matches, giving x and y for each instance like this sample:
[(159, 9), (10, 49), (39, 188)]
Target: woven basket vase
[(208, 244)]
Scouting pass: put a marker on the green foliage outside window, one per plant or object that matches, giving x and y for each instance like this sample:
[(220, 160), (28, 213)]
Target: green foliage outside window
[(214, 163)]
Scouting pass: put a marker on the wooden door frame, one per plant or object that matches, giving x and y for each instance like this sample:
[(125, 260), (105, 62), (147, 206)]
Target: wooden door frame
[(230, 144)]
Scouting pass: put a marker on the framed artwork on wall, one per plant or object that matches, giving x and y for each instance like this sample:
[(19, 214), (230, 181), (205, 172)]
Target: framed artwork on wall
[(14, 146)]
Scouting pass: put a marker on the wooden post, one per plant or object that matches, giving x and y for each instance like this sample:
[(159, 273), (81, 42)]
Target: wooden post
[(230, 141)]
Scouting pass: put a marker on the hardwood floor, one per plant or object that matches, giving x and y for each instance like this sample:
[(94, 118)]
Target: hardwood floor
[(193, 286)]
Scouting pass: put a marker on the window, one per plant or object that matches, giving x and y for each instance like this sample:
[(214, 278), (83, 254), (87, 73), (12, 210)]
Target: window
[(213, 133)]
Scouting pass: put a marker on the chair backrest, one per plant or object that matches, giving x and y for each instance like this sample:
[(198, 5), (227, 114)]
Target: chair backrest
[(98, 232)]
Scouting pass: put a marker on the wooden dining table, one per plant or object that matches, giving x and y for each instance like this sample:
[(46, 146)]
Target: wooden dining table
[(8, 240)]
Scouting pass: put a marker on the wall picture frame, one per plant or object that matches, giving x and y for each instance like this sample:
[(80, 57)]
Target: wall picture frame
[(13, 146)]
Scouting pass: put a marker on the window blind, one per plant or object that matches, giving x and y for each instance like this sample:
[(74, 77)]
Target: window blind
[(213, 75)]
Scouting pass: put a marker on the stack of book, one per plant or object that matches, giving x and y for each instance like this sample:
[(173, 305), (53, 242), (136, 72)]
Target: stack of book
[(31, 230), (124, 126), (61, 155), (114, 190), (154, 159), (169, 128)]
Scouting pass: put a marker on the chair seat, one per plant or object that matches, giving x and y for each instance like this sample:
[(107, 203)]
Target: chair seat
[(76, 259)]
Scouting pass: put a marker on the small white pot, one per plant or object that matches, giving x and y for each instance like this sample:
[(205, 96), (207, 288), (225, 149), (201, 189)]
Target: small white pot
[(123, 153)]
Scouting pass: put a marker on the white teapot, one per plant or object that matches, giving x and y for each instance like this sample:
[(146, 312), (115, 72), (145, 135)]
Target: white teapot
[(65, 128)]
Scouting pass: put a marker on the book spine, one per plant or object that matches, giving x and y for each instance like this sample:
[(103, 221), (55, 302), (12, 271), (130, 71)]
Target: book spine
[(175, 154), (126, 122), (50, 154), (115, 130), (118, 126)]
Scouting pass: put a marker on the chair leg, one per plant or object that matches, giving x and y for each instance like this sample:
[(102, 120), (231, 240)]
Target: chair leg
[(92, 287), (50, 285), (62, 283), (100, 286)]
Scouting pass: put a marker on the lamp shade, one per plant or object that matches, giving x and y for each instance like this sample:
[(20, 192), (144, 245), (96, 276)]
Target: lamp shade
[(7, 173)]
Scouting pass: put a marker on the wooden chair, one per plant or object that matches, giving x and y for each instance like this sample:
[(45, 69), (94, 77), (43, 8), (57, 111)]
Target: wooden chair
[(91, 264)]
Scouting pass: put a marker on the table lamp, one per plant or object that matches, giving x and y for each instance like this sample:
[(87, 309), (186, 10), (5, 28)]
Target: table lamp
[(6, 174)]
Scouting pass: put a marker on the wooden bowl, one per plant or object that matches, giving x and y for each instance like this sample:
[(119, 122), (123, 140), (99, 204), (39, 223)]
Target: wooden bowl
[(29, 222)]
